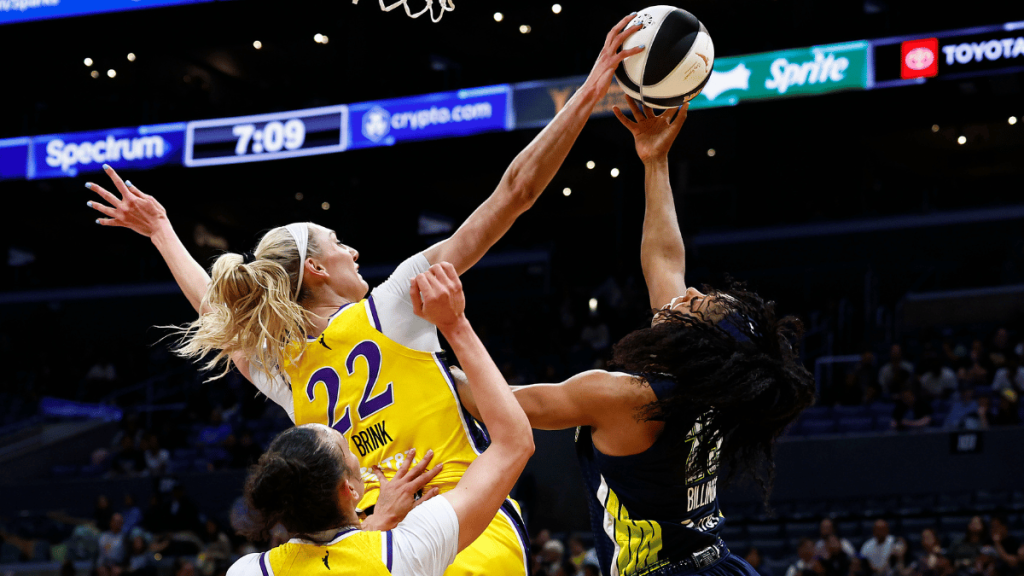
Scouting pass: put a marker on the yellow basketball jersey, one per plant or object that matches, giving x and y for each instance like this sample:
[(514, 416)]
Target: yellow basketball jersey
[(384, 397), (352, 552)]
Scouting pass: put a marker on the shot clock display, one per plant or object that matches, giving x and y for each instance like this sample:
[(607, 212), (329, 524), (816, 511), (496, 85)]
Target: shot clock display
[(267, 136)]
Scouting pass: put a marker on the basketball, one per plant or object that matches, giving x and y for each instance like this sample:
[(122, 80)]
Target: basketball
[(677, 62)]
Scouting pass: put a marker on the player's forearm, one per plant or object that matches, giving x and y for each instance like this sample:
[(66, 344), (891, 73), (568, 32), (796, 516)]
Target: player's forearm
[(661, 249), (190, 276), (495, 404), (534, 167)]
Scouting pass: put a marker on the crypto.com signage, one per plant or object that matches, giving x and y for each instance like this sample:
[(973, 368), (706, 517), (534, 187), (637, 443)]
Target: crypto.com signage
[(12, 11)]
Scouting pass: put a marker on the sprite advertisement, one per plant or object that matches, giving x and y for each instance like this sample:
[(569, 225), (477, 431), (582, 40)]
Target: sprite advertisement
[(798, 72)]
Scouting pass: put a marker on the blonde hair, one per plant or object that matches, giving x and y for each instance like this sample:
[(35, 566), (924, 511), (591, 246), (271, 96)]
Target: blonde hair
[(253, 307)]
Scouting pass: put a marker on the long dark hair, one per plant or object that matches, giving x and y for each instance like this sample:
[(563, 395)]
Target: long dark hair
[(739, 376), (295, 482)]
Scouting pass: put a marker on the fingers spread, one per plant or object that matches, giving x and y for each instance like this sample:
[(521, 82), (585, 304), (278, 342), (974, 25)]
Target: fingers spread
[(632, 106), (379, 474), (103, 209), (425, 479), (629, 124), (110, 198), (615, 30), (427, 496)]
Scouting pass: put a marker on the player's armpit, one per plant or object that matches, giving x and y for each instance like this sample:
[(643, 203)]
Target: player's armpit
[(593, 398)]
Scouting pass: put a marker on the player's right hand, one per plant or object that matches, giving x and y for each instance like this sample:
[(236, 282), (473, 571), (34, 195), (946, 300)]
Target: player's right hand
[(398, 496), (610, 57), (134, 209), (437, 296)]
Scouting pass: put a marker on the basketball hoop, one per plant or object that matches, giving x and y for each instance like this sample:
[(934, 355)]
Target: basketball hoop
[(446, 6)]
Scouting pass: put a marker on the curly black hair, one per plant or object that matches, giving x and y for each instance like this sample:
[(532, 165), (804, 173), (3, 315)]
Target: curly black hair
[(739, 376), (295, 482)]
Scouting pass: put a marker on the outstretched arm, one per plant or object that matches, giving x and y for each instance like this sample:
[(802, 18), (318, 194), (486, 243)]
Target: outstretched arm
[(534, 167), (662, 253), (437, 296), (143, 214)]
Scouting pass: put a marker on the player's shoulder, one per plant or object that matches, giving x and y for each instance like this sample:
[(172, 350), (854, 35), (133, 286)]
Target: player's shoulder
[(248, 565), (614, 386)]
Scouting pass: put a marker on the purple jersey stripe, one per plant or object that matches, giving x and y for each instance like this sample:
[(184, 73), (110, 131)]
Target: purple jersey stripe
[(263, 564), (390, 555), (373, 311)]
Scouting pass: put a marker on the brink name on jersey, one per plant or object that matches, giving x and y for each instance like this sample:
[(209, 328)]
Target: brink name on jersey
[(367, 441)]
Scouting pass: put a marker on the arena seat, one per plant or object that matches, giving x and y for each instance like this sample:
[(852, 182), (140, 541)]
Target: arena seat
[(842, 411), (848, 529), (817, 427), (765, 531), (916, 525), (855, 424), (797, 530), (953, 523)]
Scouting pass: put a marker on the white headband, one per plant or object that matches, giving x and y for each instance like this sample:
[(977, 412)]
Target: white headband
[(300, 232)]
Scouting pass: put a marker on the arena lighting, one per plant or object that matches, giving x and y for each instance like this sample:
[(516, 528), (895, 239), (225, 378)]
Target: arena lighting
[(556, 8), (111, 73), (95, 74), (318, 38), (257, 44), (299, 196), (592, 304), (326, 205), (711, 152), (131, 56), (498, 16), (525, 29), (87, 61), (615, 172), (961, 140), (590, 164), (935, 127), (1012, 120), (566, 192)]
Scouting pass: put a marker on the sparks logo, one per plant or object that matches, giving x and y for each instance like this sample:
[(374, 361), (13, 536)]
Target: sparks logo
[(920, 58)]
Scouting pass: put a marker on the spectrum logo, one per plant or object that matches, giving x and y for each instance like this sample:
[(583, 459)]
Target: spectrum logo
[(920, 58)]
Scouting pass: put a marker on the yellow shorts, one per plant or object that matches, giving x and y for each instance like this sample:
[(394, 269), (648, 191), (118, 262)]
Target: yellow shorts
[(502, 549)]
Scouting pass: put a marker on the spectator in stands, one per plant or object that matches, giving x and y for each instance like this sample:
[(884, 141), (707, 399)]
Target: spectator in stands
[(155, 456), (216, 545), (753, 557), (131, 513), (883, 550), (937, 381), (551, 556), (1007, 410), (925, 558), (963, 411), (577, 553), (183, 567), (1006, 545), (216, 430), (835, 561), (129, 460), (103, 513), (805, 564), (1010, 376), (825, 529), (976, 373), (912, 411), (112, 548), (1001, 348), (895, 372), (861, 385), (968, 547), (140, 560)]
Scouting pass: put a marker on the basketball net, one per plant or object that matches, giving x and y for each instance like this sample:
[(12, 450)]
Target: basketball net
[(446, 6)]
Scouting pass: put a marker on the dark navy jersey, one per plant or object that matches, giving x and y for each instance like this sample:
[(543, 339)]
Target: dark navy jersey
[(645, 509)]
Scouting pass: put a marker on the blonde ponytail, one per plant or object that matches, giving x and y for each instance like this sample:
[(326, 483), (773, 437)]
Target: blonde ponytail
[(253, 307)]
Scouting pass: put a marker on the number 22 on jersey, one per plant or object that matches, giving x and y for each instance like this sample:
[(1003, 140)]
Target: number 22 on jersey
[(369, 404)]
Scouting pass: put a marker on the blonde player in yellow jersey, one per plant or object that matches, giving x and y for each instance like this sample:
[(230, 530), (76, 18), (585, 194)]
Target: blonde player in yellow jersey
[(309, 478), (294, 318)]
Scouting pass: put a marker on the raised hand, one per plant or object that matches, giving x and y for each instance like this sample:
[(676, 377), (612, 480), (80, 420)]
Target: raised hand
[(134, 209), (610, 57), (653, 133), (398, 496), (437, 296)]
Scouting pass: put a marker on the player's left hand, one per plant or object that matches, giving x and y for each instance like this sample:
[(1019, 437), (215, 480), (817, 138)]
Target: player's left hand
[(653, 133), (437, 295), (398, 495)]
